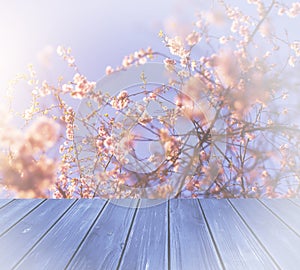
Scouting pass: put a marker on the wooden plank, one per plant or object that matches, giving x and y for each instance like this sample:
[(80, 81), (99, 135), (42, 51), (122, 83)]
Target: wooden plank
[(103, 246), (191, 246), (286, 210), (4, 202), (296, 201), (281, 243), (24, 235), (57, 247), (147, 245), (237, 246), (15, 211)]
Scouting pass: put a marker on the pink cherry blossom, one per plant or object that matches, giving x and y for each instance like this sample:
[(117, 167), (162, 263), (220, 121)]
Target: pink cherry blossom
[(193, 38), (121, 101), (42, 134)]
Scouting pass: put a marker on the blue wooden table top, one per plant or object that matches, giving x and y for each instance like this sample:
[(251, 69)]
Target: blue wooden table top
[(146, 234)]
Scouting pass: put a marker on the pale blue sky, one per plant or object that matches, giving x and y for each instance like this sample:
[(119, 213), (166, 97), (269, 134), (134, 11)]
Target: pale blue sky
[(100, 32)]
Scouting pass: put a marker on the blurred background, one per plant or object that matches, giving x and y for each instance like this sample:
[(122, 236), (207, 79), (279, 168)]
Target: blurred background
[(100, 33)]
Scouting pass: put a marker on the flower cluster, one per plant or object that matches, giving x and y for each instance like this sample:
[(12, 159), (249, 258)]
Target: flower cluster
[(68, 118), (170, 143), (79, 88), (294, 10), (139, 58), (65, 53), (28, 171), (121, 101)]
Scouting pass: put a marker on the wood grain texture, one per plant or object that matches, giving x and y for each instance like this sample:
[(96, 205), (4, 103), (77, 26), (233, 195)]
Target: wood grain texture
[(296, 201), (4, 202), (147, 245), (191, 246), (236, 244), (282, 243), (15, 211), (177, 234), (58, 246), (103, 246), (285, 210), (24, 235)]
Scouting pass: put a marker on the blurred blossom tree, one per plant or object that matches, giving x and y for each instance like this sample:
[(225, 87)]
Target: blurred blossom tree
[(224, 126)]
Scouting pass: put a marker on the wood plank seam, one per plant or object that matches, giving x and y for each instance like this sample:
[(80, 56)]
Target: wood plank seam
[(128, 234), (278, 217), (43, 235), (294, 202), (211, 235), (255, 236), (4, 205), (87, 233), (19, 220)]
